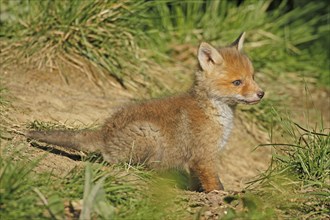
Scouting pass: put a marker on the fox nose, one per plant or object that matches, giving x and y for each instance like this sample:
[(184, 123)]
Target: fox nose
[(261, 94)]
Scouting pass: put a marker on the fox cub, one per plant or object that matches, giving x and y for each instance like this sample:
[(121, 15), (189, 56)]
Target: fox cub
[(185, 131)]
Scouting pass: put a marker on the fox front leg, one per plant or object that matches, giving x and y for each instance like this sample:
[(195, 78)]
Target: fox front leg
[(208, 177)]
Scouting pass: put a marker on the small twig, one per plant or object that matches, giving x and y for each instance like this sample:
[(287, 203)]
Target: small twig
[(288, 145), (131, 157)]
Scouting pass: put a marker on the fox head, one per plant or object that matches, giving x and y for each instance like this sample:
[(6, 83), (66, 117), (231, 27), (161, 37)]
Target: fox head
[(227, 74)]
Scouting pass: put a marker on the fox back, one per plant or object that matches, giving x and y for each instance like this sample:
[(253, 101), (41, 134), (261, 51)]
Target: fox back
[(182, 132)]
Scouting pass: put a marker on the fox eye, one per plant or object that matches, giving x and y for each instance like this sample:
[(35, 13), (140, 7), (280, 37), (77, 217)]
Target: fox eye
[(237, 82)]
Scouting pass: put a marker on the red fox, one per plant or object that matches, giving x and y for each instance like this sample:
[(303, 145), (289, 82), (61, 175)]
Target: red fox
[(184, 131)]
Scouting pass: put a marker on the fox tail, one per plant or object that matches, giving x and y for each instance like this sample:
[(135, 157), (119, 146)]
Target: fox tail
[(84, 140)]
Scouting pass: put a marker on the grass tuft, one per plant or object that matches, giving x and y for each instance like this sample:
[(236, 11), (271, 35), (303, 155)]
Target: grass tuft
[(17, 200), (80, 34), (307, 155), (297, 181)]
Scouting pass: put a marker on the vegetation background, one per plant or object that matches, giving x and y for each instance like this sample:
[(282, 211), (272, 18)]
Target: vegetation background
[(133, 43)]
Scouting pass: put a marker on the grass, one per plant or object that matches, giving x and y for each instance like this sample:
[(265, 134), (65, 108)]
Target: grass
[(15, 193), (125, 38), (311, 158), (95, 190), (49, 125), (28, 194), (297, 182), (253, 208)]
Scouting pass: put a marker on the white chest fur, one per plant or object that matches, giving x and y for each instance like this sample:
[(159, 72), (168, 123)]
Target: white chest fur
[(225, 115)]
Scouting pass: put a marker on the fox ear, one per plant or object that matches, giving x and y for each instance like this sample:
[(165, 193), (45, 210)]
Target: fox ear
[(208, 56), (238, 43)]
